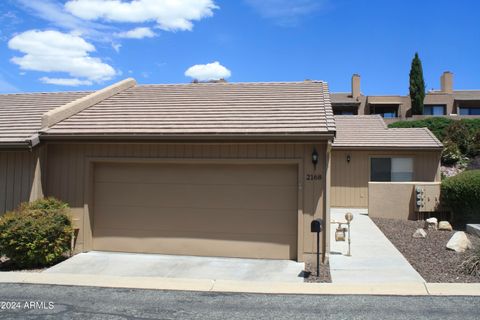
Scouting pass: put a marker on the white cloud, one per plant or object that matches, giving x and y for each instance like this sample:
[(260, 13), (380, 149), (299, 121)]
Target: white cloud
[(209, 71), (55, 13), (286, 12), (53, 51), (73, 82), (169, 15), (137, 33)]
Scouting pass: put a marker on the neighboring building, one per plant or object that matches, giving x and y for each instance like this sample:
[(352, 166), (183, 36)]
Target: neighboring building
[(366, 150), (214, 169), (443, 102)]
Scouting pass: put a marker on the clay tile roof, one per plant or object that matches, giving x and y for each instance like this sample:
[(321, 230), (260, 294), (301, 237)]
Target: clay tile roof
[(20, 114), (370, 131), (271, 108)]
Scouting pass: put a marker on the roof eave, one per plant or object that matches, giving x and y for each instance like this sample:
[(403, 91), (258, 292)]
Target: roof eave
[(5, 146), (388, 147), (193, 137)]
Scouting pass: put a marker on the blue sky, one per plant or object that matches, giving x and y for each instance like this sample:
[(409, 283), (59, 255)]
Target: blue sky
[(50, 45)]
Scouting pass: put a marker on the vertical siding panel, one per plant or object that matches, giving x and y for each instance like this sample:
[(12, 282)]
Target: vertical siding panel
[(234, 150), (261, 151), (3, 181), (17, 177), (270, 150), (280, 151), (80, 176), (252, 151), (215, 151), (188, 151), (242, 151), (28, 171), (225, 151), (170, 150), (10, 181), (289, 151)]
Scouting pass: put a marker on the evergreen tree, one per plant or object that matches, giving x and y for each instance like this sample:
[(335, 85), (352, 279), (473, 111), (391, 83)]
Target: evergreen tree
[(417, 85)]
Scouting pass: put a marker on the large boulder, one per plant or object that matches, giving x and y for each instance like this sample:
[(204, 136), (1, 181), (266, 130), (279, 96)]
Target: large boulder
[(459, 242), (445, 225), (431, 224), (419, 233)]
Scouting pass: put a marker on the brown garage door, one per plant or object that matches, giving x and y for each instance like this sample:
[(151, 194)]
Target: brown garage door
[(230, 210)]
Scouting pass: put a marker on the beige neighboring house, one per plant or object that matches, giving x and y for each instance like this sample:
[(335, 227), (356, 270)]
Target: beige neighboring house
[(366, 150), (443, 102), (210, 169)]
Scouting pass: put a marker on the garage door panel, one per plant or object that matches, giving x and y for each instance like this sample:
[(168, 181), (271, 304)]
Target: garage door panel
[(191, 219), (229, 209), (205, 196), (273, 175), (199, 244)]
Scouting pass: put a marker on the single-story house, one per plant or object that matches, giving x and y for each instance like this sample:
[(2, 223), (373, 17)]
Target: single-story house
[(214, 169), (365, 150)]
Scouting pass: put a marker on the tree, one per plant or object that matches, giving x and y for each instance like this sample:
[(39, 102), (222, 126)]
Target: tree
[(417, 85)]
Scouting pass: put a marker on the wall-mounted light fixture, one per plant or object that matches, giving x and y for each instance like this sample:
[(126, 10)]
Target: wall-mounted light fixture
[(315, 158), (348, 158)]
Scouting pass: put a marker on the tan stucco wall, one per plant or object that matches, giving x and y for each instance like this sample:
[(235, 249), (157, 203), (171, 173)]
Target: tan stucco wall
[(349, 186), (20, 177), (441, 99), (394, 200), (67, 168)]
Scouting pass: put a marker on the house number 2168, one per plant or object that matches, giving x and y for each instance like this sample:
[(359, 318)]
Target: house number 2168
[(314, 177)]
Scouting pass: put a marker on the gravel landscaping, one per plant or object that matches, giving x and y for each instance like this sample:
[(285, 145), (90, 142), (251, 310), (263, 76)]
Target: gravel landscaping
[(311, 271), (428, 256)]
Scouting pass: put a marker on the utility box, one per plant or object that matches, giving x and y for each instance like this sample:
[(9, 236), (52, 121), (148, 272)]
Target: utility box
[(427, 197)]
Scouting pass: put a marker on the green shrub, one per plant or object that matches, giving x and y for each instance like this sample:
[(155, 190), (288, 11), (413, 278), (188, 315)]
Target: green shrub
[(461, 194), (451, 154), (459, 133), (37, 234), (437, 125)]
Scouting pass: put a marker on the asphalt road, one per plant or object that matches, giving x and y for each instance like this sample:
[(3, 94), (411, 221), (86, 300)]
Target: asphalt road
[(67, 302)]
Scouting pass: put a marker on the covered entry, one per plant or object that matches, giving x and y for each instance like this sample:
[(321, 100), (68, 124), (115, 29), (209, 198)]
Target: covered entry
[(224, 208)]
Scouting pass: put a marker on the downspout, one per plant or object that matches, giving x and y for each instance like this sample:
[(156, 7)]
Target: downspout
[(328, 158)]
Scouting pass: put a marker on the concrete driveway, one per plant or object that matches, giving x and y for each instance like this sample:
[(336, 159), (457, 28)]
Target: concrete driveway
[(170, 266)]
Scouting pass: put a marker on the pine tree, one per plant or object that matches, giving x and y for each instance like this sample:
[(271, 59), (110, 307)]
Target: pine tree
[(417, 85)]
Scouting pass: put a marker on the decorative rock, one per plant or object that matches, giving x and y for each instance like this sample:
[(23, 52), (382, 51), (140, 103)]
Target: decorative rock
[(431, 224), (419, 233), (459, 242), (445, 225)]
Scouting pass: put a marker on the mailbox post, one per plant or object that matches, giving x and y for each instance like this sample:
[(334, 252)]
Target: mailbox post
[(316, 227)]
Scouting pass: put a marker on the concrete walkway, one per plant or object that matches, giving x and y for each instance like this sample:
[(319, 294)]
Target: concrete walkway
[(374, 258), (186, 267)]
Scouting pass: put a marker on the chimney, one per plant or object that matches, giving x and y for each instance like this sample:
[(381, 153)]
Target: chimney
[(356, 86), (446, 82)]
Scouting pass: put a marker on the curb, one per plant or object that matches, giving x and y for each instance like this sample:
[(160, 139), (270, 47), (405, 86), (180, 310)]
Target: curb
[(208, 285)]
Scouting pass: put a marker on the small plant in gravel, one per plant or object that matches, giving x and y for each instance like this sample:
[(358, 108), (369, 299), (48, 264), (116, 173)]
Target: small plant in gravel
[(471, 264), (37, 234)]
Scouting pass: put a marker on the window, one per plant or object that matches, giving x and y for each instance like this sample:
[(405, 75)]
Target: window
[(344, 110), (386, 111), (391, 169), (434, 110), (469, 111), (343, 113)]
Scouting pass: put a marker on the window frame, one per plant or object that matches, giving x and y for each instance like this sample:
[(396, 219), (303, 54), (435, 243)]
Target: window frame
[(408, 156), (432, 106)]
